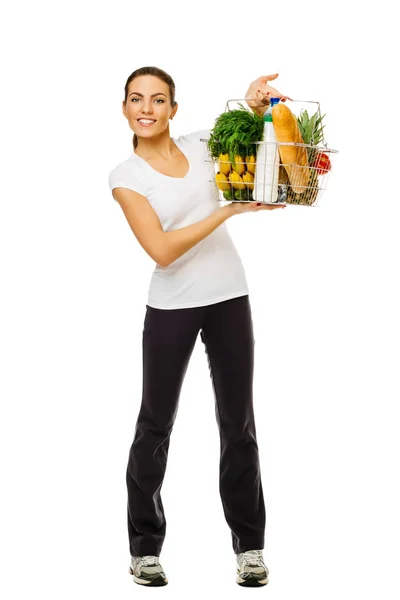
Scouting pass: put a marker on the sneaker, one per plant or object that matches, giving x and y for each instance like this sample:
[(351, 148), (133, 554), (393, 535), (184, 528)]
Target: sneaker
[(251, 570), (147, 570)]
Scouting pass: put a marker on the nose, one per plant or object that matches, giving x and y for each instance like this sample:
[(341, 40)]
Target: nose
[(147, 107)]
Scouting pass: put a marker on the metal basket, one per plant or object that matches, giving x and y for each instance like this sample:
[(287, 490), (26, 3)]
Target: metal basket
[(300, 182)]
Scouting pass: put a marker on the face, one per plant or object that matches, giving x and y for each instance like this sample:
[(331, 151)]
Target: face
[(148, 106)]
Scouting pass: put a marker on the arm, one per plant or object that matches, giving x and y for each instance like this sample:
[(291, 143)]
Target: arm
[(179, 241), (164, 247)]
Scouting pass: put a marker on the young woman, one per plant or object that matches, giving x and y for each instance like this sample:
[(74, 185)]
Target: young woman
[(198, 285)]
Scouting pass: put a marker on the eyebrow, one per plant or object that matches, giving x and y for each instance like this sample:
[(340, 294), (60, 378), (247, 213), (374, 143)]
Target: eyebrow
[(152, 96)]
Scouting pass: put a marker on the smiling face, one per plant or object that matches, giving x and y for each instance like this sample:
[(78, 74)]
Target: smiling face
[(148, 106)]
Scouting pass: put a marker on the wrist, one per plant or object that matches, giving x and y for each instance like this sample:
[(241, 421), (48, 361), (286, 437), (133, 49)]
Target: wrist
[(228, 210)]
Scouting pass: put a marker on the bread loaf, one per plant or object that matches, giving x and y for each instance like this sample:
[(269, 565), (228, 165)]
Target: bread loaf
[(293, 158), (283, 176)]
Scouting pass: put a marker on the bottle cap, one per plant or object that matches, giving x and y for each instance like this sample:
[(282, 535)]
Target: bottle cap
[(274, 101)]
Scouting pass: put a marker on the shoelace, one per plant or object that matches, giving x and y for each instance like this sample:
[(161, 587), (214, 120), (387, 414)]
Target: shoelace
[(150, 560), (253, 557)]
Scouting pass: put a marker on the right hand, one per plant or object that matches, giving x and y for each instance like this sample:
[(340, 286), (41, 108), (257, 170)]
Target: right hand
[(259, 94), (241, 207)]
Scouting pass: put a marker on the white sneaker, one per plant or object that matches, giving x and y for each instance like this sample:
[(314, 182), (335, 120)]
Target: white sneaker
[(147, 570), (251, 569)]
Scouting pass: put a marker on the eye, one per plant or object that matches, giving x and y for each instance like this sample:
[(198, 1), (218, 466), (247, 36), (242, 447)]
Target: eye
[(157, 100)]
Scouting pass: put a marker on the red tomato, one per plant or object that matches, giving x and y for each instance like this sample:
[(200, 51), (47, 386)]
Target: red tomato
[(322, 163)]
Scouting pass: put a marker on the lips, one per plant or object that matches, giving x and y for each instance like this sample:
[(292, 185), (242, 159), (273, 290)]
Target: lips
[(146, 122)]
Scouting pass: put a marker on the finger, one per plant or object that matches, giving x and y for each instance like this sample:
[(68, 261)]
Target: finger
[(263, 98), (276, 94), (265, 78), (271, 91)]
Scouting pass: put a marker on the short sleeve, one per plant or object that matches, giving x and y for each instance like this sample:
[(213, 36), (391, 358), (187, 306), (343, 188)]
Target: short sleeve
[(196, 136), (124, 176)]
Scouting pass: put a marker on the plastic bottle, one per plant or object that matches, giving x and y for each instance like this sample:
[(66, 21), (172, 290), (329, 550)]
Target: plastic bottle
[(267, 162)]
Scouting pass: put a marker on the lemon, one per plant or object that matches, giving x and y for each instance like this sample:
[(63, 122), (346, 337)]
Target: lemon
[(248, 178), (239, 165), (236, 180), (251, 164), (223, 164), (222, 181)]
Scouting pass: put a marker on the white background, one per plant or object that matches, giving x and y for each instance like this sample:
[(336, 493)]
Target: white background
[(323, 289)]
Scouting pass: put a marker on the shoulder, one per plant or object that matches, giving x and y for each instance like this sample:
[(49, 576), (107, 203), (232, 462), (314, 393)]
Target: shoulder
[(194, 143), (127, 174), (125, 165), (195, 136)]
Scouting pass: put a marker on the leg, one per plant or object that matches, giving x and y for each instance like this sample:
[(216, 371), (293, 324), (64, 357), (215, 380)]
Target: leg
[(169, 337), (229, 343)]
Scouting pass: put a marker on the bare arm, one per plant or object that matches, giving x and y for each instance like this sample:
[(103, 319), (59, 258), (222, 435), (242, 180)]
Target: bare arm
[(164, 247), (179, 241)]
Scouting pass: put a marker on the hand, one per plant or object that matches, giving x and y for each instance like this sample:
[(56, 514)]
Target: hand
[(260, 93), (241, 207)]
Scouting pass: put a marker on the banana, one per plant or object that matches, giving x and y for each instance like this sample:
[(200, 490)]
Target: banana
[(223, 164), (239, 165), (251, 164), (236, 180), (248, 178), (222, 181)]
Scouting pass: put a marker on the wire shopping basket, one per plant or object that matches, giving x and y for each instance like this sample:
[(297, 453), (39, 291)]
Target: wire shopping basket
[(275, 172)]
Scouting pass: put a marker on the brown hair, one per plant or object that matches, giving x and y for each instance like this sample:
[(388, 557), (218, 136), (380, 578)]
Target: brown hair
[(156, 72)]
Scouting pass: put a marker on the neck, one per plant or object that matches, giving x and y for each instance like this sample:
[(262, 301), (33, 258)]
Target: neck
[(159, 146)]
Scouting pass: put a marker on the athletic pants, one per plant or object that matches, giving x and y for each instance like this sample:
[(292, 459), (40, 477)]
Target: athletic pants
[(169, 336)]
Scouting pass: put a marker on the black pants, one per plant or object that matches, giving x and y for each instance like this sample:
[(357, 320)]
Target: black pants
[(169, 336)]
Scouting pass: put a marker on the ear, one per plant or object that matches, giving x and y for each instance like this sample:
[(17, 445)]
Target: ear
[(123, 109), (174, 111)]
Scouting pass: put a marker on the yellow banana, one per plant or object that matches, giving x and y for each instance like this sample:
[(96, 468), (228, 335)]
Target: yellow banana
[(223, 164), (222, 181), (239, 165), (236, 180), (251, 164), (248, 178)]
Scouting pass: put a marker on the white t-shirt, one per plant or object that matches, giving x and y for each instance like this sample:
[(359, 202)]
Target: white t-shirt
[(211, 271)]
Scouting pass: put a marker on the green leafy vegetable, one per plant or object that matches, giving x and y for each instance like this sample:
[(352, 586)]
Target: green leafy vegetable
[(235, 132)]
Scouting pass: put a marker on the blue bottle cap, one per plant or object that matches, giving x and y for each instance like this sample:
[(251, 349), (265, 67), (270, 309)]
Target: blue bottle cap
[(274, 101)]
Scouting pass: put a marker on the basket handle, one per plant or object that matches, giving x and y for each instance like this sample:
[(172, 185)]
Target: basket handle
[(302, 101)]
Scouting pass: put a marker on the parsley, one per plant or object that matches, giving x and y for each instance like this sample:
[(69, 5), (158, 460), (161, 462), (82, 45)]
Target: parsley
[(235, 132)]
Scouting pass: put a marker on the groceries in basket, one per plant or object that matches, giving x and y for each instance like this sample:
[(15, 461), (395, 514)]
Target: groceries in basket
[(232, 147), (299, 161), (277, 158)]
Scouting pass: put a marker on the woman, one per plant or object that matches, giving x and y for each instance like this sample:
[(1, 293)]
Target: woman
[(198, 285)]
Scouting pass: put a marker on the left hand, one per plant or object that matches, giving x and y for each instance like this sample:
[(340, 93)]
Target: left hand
[(260, 93)]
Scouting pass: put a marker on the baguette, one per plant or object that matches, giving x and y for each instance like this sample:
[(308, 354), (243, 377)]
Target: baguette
[(294, 158), (283, 176)]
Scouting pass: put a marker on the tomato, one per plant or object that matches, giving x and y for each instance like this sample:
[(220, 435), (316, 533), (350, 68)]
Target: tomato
[(322, 163)]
